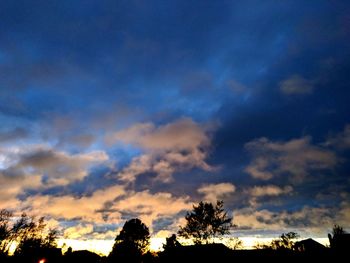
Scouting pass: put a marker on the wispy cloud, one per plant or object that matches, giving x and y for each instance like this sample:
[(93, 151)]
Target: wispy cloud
[(340, 140), (78, 231), (14, 134), (257, 195), (269, 190), (307, 219), (296, 85), (295, 158)]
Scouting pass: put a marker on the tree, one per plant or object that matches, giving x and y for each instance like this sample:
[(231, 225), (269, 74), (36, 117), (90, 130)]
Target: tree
[(5, 230), (205, 222), (338, 230), (285, 241), (34, 236), (132, 241), (171, 243), (337, 240)]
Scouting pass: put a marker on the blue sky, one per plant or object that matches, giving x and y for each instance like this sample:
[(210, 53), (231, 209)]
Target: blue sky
[(116, 109)]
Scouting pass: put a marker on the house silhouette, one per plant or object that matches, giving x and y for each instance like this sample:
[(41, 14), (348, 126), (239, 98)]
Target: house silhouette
[(309, 245)]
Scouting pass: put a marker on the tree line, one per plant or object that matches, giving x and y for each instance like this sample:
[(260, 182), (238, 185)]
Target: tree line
[(205, 223)]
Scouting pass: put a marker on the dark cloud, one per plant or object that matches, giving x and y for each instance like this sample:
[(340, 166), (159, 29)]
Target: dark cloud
[(15, 134)]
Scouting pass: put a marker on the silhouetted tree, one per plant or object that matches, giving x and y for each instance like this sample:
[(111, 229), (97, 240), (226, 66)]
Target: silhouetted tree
[(338, 230), (285, 241), (34, 236), (206, 221), (260, 245), (25, 232), (337, 240), (33, 240), (131, 243), (5, 230), (171, 243)]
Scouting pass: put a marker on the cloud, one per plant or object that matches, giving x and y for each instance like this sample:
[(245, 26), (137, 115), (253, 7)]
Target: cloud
[(183, 134), (269, 190), (340, 140), (177, 146), (55, 167), (197, 82), (296, 158), (235, 86), (78, 231), (69, 207), (111, 205), (151, 207), (107, 235), (14, 134), (296, 85), (258, 194), (37, 167), (82, 140), (213, 192), (307, 219), (13, 184)]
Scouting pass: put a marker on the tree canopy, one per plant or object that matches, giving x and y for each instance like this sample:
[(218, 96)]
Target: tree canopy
[(26, 232), (206, 221), (338, 230), (132, 241), (285, 241)]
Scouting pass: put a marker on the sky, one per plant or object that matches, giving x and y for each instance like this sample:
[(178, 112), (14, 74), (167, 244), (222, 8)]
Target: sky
[(111, 110)]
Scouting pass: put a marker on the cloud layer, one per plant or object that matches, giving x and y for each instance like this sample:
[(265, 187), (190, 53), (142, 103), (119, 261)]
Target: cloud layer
[(180, 145), (294, 158)]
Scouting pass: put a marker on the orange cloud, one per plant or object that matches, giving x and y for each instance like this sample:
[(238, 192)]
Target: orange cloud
[(176, 146), (70, 207), (150, 207), (213, 192), (76, 232)]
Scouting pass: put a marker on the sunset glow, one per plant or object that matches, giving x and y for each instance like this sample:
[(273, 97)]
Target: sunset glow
[(120, 110)]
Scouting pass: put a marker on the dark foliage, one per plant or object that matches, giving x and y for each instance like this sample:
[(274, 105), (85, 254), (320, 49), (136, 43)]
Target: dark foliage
[(206, 221), (32, 237), (285, 241), (131, 243), (338, 230), (171, 243), (340, 240)]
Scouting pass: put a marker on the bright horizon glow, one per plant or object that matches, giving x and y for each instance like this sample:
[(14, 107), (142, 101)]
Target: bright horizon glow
[(101, 247), (104, 247)]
